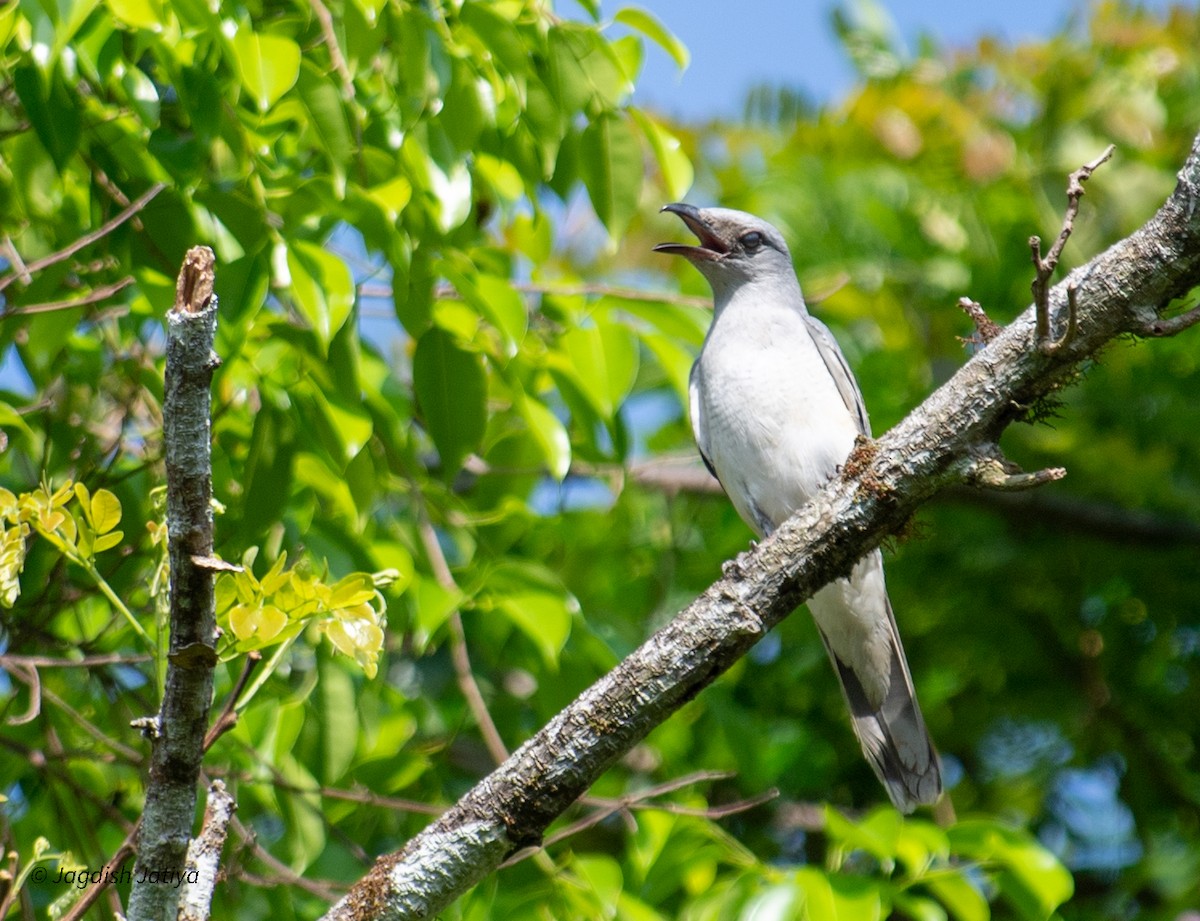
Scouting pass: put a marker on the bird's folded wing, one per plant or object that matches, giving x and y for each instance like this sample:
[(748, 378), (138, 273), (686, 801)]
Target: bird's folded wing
[(839, 370)]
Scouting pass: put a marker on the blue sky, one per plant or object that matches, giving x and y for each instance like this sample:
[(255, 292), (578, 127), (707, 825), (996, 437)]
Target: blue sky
[(791, 42)]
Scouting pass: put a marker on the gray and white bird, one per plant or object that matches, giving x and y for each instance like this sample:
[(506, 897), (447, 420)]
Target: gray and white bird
[(775, 411)]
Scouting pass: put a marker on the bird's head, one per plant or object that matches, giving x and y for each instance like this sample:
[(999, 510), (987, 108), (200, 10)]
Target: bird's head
[(734, 248)]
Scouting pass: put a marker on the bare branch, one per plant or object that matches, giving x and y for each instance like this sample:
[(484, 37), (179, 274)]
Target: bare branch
[(178, 746), (335, 51), (98, 294), (447, 292), (204, 855), (1170, 326), (1044, 267), (458, 645), (988, 468), (228, 717)]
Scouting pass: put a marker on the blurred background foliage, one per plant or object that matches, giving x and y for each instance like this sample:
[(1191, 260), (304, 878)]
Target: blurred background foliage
[(449, 354)]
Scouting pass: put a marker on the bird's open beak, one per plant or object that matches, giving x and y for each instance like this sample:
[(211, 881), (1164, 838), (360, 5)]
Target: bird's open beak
[(711, 246)]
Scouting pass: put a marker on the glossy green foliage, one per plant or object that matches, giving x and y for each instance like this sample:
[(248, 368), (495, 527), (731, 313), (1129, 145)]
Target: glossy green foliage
[(448, 355)]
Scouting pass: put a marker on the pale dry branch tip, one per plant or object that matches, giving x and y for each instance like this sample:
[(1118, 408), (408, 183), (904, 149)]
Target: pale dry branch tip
[(204, 855), (197, 275), (987, 468), (216, 564)]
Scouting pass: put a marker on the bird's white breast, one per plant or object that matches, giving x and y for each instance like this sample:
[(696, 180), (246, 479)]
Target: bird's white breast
[(772, 422)]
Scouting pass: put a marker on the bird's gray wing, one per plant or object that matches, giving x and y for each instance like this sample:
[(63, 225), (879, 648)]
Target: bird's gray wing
[(696, 417), (835, 361)]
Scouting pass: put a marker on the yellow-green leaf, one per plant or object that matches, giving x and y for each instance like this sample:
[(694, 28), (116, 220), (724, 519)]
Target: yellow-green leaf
[(105, 511), (107, 541), (356, 588)]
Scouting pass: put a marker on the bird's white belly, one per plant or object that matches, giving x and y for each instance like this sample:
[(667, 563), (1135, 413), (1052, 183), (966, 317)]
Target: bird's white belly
[(776, 427)]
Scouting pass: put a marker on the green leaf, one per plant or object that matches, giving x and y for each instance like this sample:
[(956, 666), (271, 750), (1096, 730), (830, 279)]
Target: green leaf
[(1031, 878), (52, 110), (322, 288), (610, 161), (105, 511), (960, 896), (432, 606), (677, 171), (536, 603), (339, 719), (675, 361), (491, 297), (451, 390), (354, 589), (602, 360), (876, 834), (549, 434), (327, 121), (141, 14), (303, 813), (269, 64), (645, 22)]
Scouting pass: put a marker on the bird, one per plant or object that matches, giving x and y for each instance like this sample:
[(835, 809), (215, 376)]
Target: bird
[(776, 411)]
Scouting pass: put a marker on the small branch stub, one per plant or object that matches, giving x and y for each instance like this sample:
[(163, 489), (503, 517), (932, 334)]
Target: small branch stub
[(1160, 328), (989, 469), (986, 329)]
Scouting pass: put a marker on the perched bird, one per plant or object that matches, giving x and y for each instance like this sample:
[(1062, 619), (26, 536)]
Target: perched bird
[(775, 411)]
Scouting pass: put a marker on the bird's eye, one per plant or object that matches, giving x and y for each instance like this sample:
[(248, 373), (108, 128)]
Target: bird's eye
[(752, 240)]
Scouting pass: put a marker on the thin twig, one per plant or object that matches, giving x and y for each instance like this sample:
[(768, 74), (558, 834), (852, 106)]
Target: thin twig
[(29, 676), (642, 801), (335, 51), (1044, 267), (988, 468), (447, 292), (326, 891), (92, 893), (87, 239), (458, 644), (129, 754), (1169, 327), (18, 265), (92, 297), (228, 717), (114, 658)]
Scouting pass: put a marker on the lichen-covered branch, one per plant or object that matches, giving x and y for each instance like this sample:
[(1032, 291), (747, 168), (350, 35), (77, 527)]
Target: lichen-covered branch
[(204, 855), (177, 733), (933, 447)]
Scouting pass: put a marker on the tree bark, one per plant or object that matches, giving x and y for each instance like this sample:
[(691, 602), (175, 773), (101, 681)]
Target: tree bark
[(177, 732), (949, 439)]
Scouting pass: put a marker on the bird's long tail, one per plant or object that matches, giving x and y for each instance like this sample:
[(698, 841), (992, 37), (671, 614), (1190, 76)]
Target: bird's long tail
[(893, 735)]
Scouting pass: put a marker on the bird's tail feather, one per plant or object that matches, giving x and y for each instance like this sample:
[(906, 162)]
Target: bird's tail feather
[(893, 736)]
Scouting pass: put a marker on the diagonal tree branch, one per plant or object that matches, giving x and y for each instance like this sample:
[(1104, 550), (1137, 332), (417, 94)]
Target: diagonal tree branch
[(932, 448)]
